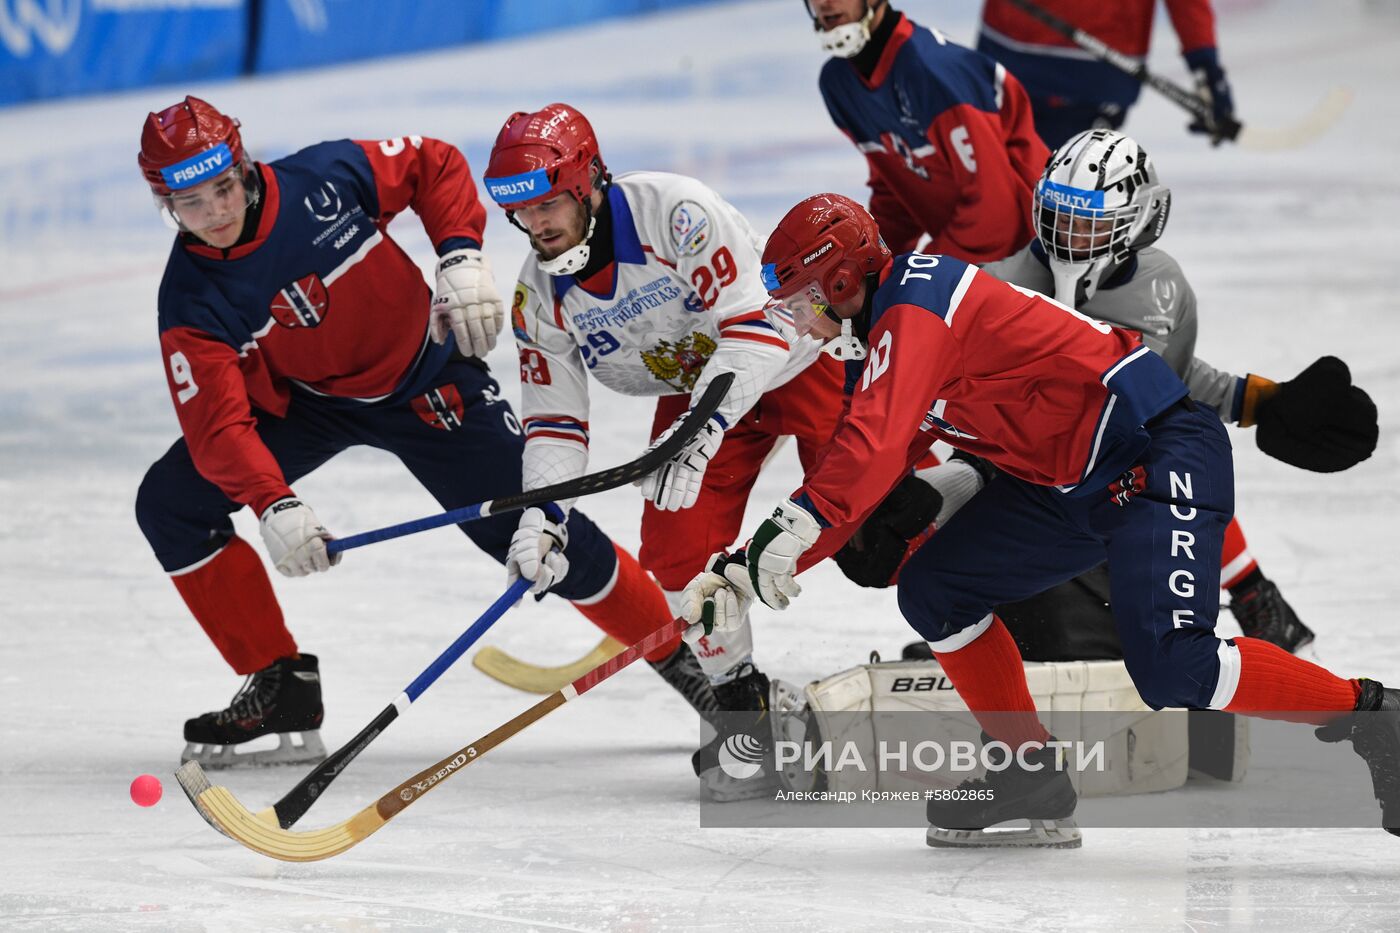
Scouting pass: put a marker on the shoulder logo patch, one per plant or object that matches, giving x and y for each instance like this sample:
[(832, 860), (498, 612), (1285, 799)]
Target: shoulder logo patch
[(517, 311), (690, 228), (1164, 294)]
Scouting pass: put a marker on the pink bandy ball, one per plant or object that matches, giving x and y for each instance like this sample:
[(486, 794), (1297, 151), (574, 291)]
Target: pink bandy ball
[(146, 790)]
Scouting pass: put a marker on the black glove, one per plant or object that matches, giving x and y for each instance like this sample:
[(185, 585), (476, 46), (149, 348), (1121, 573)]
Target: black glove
[(1318, 420), (1214, 89), (873, 554)]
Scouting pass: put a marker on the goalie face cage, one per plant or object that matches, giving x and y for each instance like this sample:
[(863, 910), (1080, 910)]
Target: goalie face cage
[(1098, 202)]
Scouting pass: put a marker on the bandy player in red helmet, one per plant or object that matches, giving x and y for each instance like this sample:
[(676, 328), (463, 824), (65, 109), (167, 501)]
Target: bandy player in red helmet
[(293, 327), (650, 283), (1102, 455)]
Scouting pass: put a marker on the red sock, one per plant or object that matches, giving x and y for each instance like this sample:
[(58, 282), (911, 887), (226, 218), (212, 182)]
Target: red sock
[(991, 679), (630, 607), (1286, 687), (232, 599), (1236, 562)]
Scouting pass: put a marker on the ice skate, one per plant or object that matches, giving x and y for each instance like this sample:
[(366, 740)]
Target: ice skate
[(1044, 799), (282, 699), (1263, 613), (682, 671), (739, 765), (1374, 731)]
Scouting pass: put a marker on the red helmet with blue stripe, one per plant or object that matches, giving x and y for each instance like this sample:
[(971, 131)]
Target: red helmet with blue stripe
[(187, 144), (538, 155), (827, 239)]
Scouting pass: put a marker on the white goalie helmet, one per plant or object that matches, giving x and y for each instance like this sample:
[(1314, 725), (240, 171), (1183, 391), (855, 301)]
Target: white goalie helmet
[(1097, 203), (844, 41)]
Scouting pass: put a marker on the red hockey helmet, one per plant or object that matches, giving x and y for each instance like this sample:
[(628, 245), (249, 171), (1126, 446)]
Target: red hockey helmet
[(541, 154), (828, 240), (186, 144)]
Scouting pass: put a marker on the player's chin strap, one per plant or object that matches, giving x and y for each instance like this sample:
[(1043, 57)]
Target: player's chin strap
[(855, 330), (848, 40), (573, 259), (847, 346)]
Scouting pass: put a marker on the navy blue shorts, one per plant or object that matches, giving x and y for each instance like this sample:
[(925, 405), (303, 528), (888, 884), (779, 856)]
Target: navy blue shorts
[(461, 441), (1161, 528)]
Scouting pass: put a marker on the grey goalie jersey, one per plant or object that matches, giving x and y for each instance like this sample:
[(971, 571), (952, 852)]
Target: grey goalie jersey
[(1151, 297)]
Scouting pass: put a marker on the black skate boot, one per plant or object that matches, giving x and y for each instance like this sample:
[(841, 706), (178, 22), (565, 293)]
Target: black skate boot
[(1045, 798), (282, 699), (1374, 731), (682, 671), (738, 762), (1263, 613)]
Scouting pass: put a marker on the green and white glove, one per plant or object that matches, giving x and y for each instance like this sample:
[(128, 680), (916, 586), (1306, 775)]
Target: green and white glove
[(774, 550), (718, 598)]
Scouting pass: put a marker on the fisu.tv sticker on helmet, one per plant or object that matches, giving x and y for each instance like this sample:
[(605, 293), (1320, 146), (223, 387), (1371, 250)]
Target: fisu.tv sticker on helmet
[(690, 228), (515, 188), (198, 168), (1079, 200)]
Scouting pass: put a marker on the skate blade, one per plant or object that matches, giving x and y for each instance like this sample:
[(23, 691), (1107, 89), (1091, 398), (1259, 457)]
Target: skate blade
[(718, 787), (1040, 834), (288, 752)]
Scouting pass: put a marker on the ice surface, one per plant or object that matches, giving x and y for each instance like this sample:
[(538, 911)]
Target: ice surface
[(589, 819)]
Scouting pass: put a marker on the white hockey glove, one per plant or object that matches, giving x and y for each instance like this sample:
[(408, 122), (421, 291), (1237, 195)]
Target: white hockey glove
[(774, 551), (537, 551), (295, 539), (718, 599), (466, 302), (676, 485)]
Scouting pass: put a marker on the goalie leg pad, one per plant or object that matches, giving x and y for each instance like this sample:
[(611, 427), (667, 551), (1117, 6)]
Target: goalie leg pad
[(1145, 752)]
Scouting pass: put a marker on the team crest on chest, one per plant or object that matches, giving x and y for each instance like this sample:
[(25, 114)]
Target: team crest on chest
[(304, 303), (679, 364)]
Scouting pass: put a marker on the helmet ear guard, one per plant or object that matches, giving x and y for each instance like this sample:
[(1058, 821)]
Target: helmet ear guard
[(1154, 221)]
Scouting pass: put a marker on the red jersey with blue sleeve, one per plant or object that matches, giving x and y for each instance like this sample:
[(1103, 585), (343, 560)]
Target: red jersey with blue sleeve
[(1047, 394), (321, 302), (950, 142), (1052, 67)]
